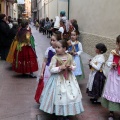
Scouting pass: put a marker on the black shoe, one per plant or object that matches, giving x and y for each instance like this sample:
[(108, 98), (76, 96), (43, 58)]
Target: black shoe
[(92, 99), (111, 116)]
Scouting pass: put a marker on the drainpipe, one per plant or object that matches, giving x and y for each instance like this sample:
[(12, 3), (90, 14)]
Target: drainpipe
[(68, 9)]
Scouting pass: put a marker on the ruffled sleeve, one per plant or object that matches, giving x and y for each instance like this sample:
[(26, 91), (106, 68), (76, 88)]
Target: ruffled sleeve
[(98, 63), (110, 60), (53, 68), (46, 53)]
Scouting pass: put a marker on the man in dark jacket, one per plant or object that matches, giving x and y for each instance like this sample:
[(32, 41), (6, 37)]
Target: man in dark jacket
[(4, 39)]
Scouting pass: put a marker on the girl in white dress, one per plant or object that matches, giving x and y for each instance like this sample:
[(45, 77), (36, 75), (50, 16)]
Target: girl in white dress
[(96, 77), (62, 94)]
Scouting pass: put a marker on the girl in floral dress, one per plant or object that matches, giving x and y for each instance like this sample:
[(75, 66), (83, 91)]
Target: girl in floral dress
[(62, 95)]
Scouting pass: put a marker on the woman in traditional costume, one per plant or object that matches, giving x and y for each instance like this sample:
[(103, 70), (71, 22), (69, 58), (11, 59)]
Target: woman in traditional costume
[(25, 60)]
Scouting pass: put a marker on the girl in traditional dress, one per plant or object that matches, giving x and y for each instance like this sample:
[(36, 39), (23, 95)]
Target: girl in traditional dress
[(96, 77), (62, 95), (111, 95), (25, 60), (15, 42), (75, 49), (45, 73)]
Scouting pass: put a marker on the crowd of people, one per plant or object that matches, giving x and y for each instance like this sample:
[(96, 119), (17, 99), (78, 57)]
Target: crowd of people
[(48, 27), (58, 91)]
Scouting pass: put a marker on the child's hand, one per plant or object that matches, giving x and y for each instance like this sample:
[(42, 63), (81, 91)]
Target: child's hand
[(69, 68), (74, 53), (62, 67), (70, 53), (114, 65)]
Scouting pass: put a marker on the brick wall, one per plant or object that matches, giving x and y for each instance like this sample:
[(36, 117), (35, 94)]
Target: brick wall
[(89, 41)]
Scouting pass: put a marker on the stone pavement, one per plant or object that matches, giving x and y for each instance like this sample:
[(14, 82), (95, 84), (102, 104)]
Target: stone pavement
[(17, 92)]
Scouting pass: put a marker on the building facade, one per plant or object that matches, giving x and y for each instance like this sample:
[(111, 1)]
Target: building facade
[(98, 22), (9, 7), (34, 9), (48, 8), (28, 8)]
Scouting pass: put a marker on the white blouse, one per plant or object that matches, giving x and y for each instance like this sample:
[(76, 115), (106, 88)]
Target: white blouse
[(79, 46), (49, 48)]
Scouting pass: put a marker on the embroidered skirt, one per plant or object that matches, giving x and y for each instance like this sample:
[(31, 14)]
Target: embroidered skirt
[(48, 97), (25, 60)]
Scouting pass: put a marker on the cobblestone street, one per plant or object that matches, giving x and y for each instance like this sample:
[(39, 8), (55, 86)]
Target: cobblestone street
[(17, 93)]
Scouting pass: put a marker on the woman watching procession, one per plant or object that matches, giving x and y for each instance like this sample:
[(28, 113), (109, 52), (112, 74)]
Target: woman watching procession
[(4, 37)]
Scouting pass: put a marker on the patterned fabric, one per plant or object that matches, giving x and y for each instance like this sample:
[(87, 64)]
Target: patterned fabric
[(25, 60), (47, 101)]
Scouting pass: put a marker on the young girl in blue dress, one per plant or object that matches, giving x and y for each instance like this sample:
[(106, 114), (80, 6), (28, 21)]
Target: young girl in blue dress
[(62, 95), (75, 49)]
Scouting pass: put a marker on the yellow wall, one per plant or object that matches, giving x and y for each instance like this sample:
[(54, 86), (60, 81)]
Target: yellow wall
[(3, 6)]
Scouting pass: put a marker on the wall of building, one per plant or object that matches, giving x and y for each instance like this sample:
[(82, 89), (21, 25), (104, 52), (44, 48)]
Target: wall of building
[(2, 6), (28, 8), (15, 11), (9, 9), (98, 22), (52, 8)]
